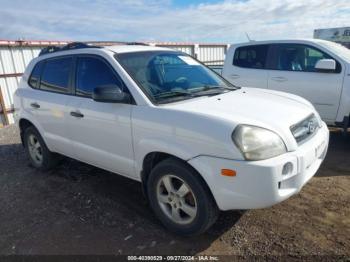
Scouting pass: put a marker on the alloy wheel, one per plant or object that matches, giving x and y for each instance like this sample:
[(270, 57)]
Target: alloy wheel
[(35, 149), (176, 199)]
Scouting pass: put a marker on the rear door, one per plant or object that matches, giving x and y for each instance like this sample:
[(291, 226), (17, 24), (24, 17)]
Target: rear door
[(101, 132), (294, 72), (50, 81), (246, 66)]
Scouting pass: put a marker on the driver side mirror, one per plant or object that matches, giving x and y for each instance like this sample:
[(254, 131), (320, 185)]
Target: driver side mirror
[(110, 94), (325, 65)]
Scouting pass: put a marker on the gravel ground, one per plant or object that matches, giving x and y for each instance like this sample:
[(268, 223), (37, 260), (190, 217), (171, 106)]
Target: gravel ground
[(79, 209)]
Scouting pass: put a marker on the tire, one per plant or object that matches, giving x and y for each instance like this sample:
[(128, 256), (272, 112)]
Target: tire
[(36, 147), (190, 213)]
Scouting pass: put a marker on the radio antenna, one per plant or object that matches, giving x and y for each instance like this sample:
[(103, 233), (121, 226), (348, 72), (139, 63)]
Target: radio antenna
[(246, 34)]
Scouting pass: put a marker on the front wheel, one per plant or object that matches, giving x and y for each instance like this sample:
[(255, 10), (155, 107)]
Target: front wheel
[(180, 198)]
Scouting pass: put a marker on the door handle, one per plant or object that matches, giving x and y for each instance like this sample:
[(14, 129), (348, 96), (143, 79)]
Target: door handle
[(279, 78), (35, 105), (76, 114), (234, 76)]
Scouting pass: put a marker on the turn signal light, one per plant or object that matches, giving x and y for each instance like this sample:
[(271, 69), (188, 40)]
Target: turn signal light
[(228, 172)]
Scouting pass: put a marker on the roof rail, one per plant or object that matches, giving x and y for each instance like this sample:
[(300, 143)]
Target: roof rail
[(71, 46)]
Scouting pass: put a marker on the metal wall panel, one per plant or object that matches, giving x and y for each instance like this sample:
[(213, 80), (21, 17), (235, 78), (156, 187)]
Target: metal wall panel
[(189, 49), (8, 87), (212, 55), (6, 60), (13, 60)]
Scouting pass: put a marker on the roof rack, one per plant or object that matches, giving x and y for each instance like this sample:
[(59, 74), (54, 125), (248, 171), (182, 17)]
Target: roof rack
[(71, 46), (136, 43)]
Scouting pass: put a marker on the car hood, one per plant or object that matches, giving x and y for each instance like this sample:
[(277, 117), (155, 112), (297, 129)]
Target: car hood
[(273, 110)]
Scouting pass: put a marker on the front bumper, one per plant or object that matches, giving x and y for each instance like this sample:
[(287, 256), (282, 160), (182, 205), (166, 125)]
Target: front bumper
[(260, 184)]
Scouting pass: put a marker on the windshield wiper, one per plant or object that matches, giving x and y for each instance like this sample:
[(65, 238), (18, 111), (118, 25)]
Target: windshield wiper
[(211, 87), (212, 90), (208, 87), (207, 90), (173, 93)]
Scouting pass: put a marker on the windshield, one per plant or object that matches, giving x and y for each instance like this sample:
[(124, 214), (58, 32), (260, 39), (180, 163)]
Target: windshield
[(338, 49), (170, 76)]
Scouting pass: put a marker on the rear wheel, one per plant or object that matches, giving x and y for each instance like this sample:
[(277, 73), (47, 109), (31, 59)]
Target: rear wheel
[(39, 155), (180, 198)]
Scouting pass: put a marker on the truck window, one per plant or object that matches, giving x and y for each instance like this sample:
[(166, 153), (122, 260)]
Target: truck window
[(298, 57), (253, 56)]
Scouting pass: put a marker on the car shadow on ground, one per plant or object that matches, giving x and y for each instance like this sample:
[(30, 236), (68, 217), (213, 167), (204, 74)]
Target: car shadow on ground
[(132, 203)]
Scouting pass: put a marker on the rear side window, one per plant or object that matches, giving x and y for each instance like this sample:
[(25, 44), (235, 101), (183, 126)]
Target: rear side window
[(55, 75), (91, 73), (253, 56), (35, 76)]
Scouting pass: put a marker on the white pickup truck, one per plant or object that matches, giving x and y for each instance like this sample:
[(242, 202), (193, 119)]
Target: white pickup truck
[(315, 69), (196, 143)]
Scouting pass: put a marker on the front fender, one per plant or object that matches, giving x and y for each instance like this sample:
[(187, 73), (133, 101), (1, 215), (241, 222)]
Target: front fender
[(150, 145)]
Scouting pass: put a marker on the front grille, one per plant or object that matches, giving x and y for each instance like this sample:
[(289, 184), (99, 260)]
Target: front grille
[(305, 129)]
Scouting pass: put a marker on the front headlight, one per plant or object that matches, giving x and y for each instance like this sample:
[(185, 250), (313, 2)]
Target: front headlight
[(258, 143)]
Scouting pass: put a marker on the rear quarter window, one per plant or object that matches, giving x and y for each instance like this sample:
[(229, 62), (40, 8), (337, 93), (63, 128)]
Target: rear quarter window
[(35, 75), (253, 56)]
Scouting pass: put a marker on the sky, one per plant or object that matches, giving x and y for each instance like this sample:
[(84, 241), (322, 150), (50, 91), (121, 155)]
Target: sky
[(206, 21)]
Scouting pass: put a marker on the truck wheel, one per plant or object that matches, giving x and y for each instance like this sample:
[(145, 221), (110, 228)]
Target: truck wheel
[(180, 198), (39, 155)]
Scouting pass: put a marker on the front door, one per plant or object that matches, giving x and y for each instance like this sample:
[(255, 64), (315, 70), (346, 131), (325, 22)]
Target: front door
[(101, 132)]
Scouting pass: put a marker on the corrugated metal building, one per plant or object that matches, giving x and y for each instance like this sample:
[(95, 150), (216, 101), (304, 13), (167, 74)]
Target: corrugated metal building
[(15, 56)]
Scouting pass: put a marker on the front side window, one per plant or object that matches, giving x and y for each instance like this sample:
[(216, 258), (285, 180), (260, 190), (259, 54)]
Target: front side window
[(296, 57), (253, 56), (55, 75), (91, 73), (170, 76)]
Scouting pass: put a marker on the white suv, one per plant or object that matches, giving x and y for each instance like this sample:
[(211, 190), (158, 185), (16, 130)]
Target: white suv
[(314, 69), (196, 143)]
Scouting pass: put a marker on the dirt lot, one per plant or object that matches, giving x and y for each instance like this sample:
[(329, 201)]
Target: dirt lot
[(79, 209)]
